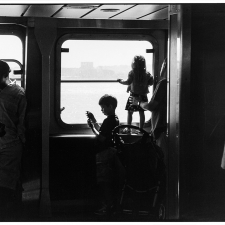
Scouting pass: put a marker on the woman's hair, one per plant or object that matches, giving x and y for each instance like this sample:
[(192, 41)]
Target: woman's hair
[(139, 67), (4, 69), (108, 100)]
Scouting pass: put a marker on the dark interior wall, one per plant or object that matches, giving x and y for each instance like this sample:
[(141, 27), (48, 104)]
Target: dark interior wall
[(72, 168), (33, 71), (207, 92), (31, 164)]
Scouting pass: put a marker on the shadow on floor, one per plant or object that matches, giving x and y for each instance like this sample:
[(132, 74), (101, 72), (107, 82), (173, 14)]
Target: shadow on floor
[(210, 209)]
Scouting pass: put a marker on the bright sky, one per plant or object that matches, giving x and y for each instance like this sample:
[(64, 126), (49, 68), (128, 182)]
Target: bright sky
[(101, 53), (10, 47), (104, 53)]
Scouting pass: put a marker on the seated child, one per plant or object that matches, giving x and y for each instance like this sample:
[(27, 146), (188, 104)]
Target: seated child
[(107, 162)]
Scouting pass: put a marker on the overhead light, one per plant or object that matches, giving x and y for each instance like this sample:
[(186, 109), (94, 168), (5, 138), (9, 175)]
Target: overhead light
[(109, 10), (81, 6)]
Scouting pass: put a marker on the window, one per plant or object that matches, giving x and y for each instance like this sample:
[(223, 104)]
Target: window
[(11, 52), (90, 69)]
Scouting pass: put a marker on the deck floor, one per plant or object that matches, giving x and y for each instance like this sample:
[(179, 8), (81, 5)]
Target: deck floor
[(81, 211)]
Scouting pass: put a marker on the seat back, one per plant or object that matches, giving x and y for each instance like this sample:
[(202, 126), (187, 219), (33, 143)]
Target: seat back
[(140, 162)]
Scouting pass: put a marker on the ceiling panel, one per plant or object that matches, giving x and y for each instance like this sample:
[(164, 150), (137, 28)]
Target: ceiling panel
[(12, 10), (74, 11), (88, 11), (42, 10), (159, 15), (139, 11), (106, 11)]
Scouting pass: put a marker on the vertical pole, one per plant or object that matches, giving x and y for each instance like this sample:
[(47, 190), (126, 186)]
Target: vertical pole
[(172, 211), (184, 74), (179, 108), (45, 32)]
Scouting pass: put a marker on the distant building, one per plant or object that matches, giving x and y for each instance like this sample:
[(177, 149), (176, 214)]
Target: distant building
[(87, 71), (86, 65)]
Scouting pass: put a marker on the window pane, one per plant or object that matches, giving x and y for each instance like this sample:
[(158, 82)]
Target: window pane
[(77, 98), (11, 48), (14, 77), (98, 60)]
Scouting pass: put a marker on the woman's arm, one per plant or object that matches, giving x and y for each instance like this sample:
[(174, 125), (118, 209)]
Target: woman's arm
[(151, 106)]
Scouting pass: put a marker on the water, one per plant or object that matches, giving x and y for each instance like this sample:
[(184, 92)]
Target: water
[(77, 98)]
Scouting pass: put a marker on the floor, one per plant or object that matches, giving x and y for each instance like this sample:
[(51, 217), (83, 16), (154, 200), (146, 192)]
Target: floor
[(69, 211), (205, 208), (83, 211)]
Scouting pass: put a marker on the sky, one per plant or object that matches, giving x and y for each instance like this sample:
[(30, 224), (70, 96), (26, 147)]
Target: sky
[(10, 47), (103, 53)]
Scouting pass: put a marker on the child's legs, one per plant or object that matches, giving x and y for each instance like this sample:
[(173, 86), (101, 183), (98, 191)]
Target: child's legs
[(142, 119), (129, 117)]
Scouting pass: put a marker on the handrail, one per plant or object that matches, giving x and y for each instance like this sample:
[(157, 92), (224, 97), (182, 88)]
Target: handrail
[(87, 81)]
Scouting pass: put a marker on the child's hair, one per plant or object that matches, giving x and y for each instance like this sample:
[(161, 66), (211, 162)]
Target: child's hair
[(139, 67), (108, 100)]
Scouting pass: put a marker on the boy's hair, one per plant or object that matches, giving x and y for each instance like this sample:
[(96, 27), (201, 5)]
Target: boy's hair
[(108, 100)]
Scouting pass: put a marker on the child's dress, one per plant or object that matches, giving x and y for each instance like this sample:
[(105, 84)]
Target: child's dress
[(137, 89)]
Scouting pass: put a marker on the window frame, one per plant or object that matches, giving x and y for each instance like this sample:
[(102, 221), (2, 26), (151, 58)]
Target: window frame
[(93, 36)]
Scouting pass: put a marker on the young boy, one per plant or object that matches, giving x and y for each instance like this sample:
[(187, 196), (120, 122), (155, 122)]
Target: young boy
[(108, 164), (103, 133)]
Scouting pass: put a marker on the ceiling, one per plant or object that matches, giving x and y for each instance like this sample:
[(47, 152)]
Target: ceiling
[(129, 11)]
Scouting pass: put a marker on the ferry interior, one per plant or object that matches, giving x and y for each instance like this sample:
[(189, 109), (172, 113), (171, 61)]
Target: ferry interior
[(58, 171)]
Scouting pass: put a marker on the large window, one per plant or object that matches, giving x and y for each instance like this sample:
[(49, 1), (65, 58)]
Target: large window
[(11, 52), (90, 69)]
